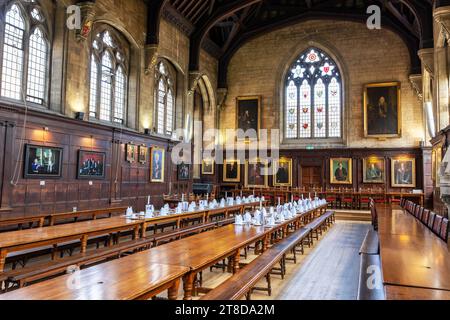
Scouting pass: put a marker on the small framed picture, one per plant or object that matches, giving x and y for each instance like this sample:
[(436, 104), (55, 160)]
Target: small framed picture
[(374, 170), (43, 162), (157, 164), (403, 173), (91, 165), (183, 171), (341, 171), (283, 172), (142, 151), (256, 174), (231, 171), (131, 153), (208, 167)]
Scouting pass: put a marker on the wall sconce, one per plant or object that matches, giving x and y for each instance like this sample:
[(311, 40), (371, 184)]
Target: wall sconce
[(147, 131), (79, 116)]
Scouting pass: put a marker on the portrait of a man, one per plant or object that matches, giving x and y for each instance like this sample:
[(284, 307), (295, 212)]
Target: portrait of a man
[(283, 172), (183, 171), (256, 174), (231, 171), (374, 170), (341, 171), (208, 167), (157, 165), (248, 113), (404, 173), (131, 153), (382, 110)]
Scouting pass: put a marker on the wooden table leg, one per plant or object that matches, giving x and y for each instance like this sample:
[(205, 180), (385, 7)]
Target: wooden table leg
[(188, 285), (84, 240), (41, 222), (236, 258), (173, 290), (144, 230), (136, 231), (3, 254)]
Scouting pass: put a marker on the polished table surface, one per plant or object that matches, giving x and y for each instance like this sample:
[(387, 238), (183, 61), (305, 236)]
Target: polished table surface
[(131, 278), (411, 254), (409, 293)]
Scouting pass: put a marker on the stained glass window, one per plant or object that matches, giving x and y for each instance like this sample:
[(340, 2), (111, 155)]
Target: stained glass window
[(108, 76), (165, 99), (24, 44), (313, 106)]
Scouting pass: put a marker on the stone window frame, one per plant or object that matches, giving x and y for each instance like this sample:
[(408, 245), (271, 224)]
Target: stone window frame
[(170, 82), (26, 6)]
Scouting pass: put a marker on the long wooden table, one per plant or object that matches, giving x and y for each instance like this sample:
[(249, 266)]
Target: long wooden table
[(194, 254), (53, 235), (131, 278), (412, 256)]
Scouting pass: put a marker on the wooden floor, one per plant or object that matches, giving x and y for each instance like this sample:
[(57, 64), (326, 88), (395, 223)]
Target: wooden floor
[(329, 271)]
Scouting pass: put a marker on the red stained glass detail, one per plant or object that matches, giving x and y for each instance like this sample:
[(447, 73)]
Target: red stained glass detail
[(305, 126)]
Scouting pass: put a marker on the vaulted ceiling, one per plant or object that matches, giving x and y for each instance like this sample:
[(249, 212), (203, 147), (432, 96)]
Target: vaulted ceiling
[(223, 26)]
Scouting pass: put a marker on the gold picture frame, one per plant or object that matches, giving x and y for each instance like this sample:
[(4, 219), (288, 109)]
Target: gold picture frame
[(208, 163), (130, 152), (232, 176), (403, 172), (383, 122), (374, 170), (142, 154), (345, 174), (253, 120), (157, 164), (253, 173), (278, 176)]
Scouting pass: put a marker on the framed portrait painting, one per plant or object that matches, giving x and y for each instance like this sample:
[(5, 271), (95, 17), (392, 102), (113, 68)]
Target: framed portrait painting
[(256, 174), (91, 165), (231, 171), (403, 173), (157, 164), (248, 114), (183, 171), (374, 170), (208, 167), (42, 162), (282, 172), (131, 153), (142, 154), (341, 171), (382, 110)]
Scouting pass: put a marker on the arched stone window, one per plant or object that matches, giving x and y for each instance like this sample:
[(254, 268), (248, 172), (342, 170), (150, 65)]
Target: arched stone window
[(25, 52), (109, 76), (165, 93), (313, 97)]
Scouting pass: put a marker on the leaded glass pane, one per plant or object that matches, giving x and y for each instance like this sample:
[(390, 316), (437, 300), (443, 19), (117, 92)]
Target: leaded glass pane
[(305, 110), (291, 111), (105, 88), (119, 96), (169, 115), (320, 130), (93, 88), (161, 106), (334, 113), (37, 65)]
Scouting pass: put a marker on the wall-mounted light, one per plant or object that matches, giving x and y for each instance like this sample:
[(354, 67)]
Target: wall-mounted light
[(147, 131), (79, 116)]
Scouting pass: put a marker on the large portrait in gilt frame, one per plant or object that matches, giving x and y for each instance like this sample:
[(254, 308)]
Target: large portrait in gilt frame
[(256, 174), (282, 172), (248, 114), (231, 171), (374, 170), (403, 173), (341, 171), (382, 110), (157, 162)]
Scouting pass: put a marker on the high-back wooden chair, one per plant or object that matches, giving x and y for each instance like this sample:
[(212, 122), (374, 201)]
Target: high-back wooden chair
[(431, 220), (425, 216), (443, 234), (437, 224)]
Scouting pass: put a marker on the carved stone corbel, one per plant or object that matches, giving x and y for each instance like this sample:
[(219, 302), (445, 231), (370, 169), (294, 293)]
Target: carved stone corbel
[(416, 83), (151, 57), (194, 78), (221, 97), (442, 17), (87, 10), (427, 58)]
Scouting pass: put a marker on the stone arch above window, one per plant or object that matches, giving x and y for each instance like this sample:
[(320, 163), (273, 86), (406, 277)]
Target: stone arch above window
[(313, 97), (109, 70), (24, 52)]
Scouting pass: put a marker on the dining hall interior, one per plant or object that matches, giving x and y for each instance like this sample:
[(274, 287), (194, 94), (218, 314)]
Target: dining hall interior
[(224, 150)]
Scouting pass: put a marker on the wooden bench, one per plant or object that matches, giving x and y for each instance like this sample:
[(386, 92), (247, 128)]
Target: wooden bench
[(244, 282), (371, 244), (59, 218), (319, 225), (370, 279), (41, 271), (178, 234)]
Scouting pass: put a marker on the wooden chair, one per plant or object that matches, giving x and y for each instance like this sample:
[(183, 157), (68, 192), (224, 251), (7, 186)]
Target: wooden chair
[(425, 216), (431, 220), (347, 200), (437, 224), (443, 234), (419, 215)]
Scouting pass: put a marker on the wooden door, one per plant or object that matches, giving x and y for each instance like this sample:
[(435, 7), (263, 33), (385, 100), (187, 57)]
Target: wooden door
[(311, 176)]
